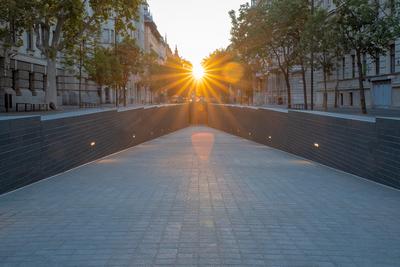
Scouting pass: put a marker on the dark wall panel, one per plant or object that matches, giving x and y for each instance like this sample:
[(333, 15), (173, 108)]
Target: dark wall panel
[(365, 148), (32, 149)]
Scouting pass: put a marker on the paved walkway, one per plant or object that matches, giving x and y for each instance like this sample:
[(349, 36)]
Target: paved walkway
[(203, 198)]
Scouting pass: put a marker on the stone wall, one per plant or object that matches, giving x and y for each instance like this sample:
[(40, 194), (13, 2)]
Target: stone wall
[(361, 146), (32, 149)]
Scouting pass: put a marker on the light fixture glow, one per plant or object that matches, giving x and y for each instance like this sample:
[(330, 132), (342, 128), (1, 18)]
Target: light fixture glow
[(92, 143), (198, 71), (270, 137), (316, 145)]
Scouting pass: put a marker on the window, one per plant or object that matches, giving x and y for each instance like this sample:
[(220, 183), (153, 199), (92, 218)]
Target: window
[(15, 80), (377, 64), (351, 98), (32, 81), (13, 31), (341, 99), (29, 40), (353, 66), (393, 58), (44, 82), (343, 67), (112, 37), (392, 6), (106, 36)]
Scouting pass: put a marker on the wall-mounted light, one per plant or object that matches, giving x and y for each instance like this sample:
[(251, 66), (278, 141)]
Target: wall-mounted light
[(92, 144), (249, 134), (316, 145), (269, 138), (134, 136)]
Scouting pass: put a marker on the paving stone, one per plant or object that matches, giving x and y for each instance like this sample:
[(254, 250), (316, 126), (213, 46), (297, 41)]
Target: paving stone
[(200, 197)]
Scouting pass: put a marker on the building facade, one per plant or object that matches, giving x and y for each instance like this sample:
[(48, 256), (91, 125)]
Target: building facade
[(23, 75), (382, 84)]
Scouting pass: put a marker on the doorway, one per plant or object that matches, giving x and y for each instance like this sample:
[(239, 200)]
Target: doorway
[(382, 94)]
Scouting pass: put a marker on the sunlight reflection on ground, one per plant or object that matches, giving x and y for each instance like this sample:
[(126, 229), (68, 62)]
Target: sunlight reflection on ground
[(203, 144)]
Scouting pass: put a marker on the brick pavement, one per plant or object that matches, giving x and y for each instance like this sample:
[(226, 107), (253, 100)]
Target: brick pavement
[(200, 197)]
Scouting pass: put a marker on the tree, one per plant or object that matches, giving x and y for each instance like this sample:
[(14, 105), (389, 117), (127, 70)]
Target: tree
[(286, 19), (321, 33), (11, 29), (270, 33), (99, 68), (305, 41), (366, 27), (225, 70), (171, 78), (129, 60), (59, 25), (248, 39), (150, 73)]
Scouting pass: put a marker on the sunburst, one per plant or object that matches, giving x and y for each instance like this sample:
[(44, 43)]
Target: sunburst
[(198, 72)]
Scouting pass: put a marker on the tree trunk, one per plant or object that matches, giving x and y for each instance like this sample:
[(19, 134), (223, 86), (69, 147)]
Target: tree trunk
[(51, 89), (116, 96), (124, 88), (288, 89), (337, 93), (303, 74), (361, 83), (325, 101)]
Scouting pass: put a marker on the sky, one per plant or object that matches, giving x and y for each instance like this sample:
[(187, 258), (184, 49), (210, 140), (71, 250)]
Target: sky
[(198, 27)]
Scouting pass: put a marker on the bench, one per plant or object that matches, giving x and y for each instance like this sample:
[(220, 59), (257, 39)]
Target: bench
[(298, 106), (23, 104), (32, 107), (88, 105), (40, 106)]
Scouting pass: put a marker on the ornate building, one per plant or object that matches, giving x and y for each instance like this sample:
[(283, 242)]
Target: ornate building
[(23, 76)]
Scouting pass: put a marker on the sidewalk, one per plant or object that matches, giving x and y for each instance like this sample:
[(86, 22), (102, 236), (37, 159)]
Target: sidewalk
[(372, 112), (69, 111)]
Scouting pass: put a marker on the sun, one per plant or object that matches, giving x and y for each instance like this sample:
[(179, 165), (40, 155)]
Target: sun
[(198, 71)]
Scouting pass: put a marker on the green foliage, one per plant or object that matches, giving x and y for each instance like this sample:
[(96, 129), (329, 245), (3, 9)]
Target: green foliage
[(366, 26), (129, 59), (60, 25), (70, 19), (12, 28), (282, 33), (99, 66), (322, 37), (114, 66)]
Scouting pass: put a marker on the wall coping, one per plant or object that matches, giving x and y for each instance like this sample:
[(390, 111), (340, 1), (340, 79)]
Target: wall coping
[(317, 113), (83, 112)]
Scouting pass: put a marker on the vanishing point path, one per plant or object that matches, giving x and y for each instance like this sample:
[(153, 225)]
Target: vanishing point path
[(200, 197)]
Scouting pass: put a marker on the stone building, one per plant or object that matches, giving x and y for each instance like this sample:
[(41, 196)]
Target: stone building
[(382, 85), (23, 76), (156, 44)]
